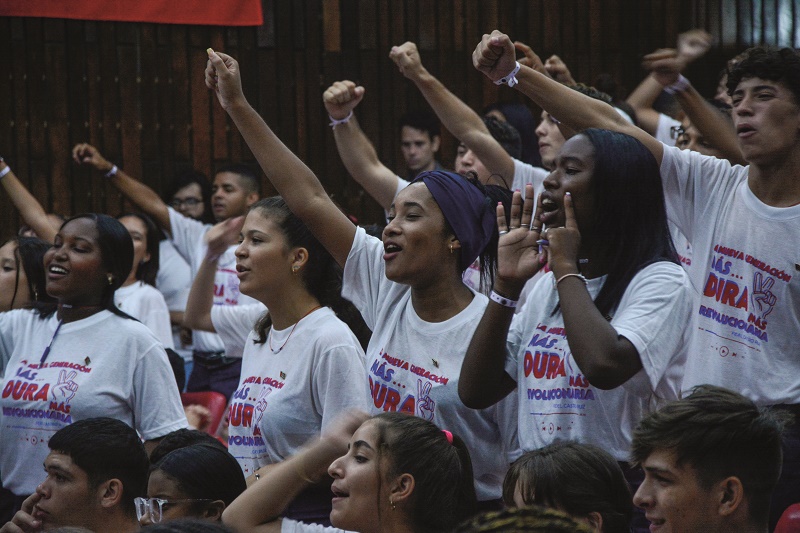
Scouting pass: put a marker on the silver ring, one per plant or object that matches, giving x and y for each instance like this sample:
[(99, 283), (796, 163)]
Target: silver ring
[(502, 232), (513, 227)]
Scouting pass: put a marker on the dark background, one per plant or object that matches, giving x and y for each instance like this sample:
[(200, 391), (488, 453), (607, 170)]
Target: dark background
[(136, 90)]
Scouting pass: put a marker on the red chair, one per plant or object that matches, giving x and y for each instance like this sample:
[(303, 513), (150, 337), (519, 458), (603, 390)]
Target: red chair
[(215, 402), (790, 520)]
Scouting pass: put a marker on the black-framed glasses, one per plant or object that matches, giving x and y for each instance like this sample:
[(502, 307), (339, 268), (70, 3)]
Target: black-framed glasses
[(188, 202), (676, 131), (155, 507)]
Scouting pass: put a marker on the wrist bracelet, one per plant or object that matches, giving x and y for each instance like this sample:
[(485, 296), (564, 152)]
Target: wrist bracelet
[(111, 173), (335, 122), (5, 171), (680, 85), (571, 275), (502, 300), (257, 476), (511, 78)]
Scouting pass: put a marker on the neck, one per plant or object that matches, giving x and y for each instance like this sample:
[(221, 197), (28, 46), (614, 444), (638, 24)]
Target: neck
[(118, 522), (594, 264), (776, 183), (442, 300), (130, 281), (71, 313), (288, 307)]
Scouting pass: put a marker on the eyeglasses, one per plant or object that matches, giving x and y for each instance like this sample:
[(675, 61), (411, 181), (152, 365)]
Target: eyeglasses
[(676, 131), (188, 202), (155, 507)]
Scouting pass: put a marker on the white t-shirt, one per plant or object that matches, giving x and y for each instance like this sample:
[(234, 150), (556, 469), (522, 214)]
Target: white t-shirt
[(665, 124), (147, 305), (293, 526), (103, 365), (234, 323), (746, 312), (286, 398), (188, 235), (174, 280), (558, 403), (414, 366)]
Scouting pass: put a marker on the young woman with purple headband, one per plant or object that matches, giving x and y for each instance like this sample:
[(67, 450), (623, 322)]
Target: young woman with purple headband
[(407, 286)]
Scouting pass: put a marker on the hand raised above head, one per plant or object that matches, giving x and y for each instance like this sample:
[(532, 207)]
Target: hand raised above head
[(530, 58), (341, 98), (406, 57), (665, 64), (495, 55), (86, 154), (223, 75), (558, 70), (693, 44)]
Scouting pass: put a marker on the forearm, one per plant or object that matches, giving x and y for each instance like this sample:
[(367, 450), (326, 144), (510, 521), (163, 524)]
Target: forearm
[(176, 318), (606, 359), (642, 99), (465, 124), (361, 161), (268, 497), (201, 298), (714, 127), (145, 198), (483, 380), (28, 206)]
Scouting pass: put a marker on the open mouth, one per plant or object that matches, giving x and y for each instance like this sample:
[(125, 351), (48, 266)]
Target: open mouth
[(744, 130), (56, 271), (550, 210), (390, 250), (338, 495)]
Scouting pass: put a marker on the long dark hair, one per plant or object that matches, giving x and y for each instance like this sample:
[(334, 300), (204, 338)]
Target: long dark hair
[(116, 251), (148, 270), (29, 257), (597, 483), (322, 276), (444, 489), (629, 211)]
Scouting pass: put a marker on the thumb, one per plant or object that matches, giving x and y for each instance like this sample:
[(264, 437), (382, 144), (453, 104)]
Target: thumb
[(216, 60), (359, 91)]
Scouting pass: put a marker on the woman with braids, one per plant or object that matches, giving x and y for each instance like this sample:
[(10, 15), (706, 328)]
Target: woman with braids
[(302, 366), (392, 473), (81, 358)]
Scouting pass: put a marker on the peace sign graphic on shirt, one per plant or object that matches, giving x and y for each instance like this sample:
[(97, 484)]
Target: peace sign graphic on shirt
[(65, 386)]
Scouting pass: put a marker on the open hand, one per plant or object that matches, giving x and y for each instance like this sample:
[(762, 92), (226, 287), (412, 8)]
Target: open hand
[(518, 253), (223, 235), (558, 70), (665, 64), (563, 244)]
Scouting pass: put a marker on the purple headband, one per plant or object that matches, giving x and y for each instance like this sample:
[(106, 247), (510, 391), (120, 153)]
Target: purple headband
[(465, 208)]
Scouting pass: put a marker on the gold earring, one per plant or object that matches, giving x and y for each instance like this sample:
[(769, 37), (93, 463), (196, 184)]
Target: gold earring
[(110, 279), (392, 504), (35, 295), (451, 248)]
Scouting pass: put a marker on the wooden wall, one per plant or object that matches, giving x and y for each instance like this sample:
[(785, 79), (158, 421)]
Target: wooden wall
[(136, 90)]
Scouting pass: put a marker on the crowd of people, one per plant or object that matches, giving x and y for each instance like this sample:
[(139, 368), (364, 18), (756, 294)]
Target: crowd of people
[(595, 335)]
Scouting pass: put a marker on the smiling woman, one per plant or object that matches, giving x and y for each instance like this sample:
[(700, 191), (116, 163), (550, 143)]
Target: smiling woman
[(85, 359)]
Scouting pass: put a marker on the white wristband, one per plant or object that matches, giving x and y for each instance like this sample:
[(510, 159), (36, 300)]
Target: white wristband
[(5, 171), (680, 85), (511, 78), (336, 122), (111, 173), (502, 300)]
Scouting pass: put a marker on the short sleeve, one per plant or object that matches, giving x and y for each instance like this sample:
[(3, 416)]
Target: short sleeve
[(664, 129), (234, 324), (339, 381), (155, 315), (186, 232), (364, 276), (292, 526), (157, 408)]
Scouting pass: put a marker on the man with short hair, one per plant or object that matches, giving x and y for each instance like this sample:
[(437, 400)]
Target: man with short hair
[(235, 188), (711, 462), (420, 137), (743, 224), (96, 467)]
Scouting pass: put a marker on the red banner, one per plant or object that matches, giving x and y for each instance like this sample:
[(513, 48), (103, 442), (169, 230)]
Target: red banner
[(207, 12)]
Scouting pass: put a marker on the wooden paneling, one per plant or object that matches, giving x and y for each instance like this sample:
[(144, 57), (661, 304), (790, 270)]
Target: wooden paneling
[(136, 90)]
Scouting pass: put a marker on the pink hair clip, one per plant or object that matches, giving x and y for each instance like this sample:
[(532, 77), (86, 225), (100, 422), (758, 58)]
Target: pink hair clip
[(448, 435)]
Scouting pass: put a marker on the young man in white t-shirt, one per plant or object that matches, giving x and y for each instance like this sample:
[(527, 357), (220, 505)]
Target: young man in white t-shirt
[(743, 224), (235, 188)]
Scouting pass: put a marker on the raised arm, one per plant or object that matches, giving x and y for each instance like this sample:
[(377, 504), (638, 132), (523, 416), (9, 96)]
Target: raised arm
[(483, 380), (459, 119), (201, 297), (301, 189), (258, 509), (495, 57), (642, 99), (29, 207), (558, 70), (357, 152), (709, 121), (145, 198)]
